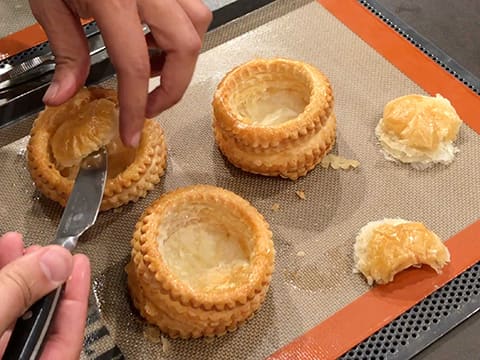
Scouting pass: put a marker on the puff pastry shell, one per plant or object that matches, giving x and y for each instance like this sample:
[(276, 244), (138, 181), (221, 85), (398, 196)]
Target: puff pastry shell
[(201, 262), (274, 117), (62, 135)]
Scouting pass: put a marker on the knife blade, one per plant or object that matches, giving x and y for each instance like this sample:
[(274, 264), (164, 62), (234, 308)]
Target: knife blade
[(12, 75), (80, 214)]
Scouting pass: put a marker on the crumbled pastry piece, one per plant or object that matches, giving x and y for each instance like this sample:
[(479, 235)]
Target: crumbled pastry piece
[(419, 130), (274, 117), (61, 136), (385, 248), (152, 334), (301, 253), (166, 345), (276, 207), (301, 194), (201, 262), (338, 162)]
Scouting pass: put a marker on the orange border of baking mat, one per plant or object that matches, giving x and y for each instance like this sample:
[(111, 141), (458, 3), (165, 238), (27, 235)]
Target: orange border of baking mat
[(382, 304), (25, 39)]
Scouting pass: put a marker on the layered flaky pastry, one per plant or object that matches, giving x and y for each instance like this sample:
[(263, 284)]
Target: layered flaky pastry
[(274, 117), (201, 262), (61, 136), (419, 130), (384, 248)]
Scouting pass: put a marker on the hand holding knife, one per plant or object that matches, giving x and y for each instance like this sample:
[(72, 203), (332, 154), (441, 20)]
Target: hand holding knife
[(80, 214)]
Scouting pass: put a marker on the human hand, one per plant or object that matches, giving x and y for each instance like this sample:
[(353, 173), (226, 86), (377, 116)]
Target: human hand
[(177, 28), (26, 275)]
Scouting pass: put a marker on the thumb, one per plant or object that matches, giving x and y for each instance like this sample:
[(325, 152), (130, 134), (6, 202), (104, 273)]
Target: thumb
[(69, 45), (27, 279)]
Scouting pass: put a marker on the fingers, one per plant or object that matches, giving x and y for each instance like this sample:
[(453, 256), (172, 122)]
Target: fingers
[(199, 14), (4, 338), (124, 38), (27, 279), (175, 34), (11, 248), (68, 43), (31, 249), (66, 334)]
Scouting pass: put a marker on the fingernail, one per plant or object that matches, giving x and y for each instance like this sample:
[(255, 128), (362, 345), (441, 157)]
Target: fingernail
[(135, 139), (51, 92), (56, 264)]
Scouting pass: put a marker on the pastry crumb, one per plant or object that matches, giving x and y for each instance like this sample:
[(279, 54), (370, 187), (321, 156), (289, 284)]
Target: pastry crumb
[(338, 162), (117, 210), (276, 207), (301, 253), (166, 345), (301, 194), (209, 339), (152, 334)]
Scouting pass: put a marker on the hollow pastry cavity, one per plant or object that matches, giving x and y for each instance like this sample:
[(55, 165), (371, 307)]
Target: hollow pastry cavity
[(201, 263), (385, 248), (274, 117), (61, 136), (419, 130)]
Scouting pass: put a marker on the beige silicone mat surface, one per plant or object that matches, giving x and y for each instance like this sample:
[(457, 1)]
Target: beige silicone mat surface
[(15, 15), (305, 289)]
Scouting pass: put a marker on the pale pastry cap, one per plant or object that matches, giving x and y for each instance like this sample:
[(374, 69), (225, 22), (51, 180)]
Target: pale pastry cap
[(384, 248), (419, 130)]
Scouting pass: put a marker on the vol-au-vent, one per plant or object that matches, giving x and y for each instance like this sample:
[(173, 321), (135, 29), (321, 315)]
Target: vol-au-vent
[(201, 262), (274, 117), (62, 136)]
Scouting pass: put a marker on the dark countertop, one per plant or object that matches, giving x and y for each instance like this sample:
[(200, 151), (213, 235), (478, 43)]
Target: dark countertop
[(452, 25)]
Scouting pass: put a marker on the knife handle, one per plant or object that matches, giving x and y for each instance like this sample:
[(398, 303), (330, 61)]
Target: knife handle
[(30, 329)]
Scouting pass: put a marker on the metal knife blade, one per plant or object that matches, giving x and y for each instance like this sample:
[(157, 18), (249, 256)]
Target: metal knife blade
[(80, 214), (84, 202), (13, 75), (22, 68)]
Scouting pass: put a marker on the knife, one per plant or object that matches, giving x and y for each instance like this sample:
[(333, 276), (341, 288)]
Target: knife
[(12, 75), (80, 214)]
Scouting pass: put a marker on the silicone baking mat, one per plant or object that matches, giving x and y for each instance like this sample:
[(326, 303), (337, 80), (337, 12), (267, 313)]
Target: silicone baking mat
[(313, 283), (16, 16)]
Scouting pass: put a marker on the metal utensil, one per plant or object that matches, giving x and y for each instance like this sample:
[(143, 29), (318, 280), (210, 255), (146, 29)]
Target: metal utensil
[(17, 70), (14, 74), (80, 214)]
